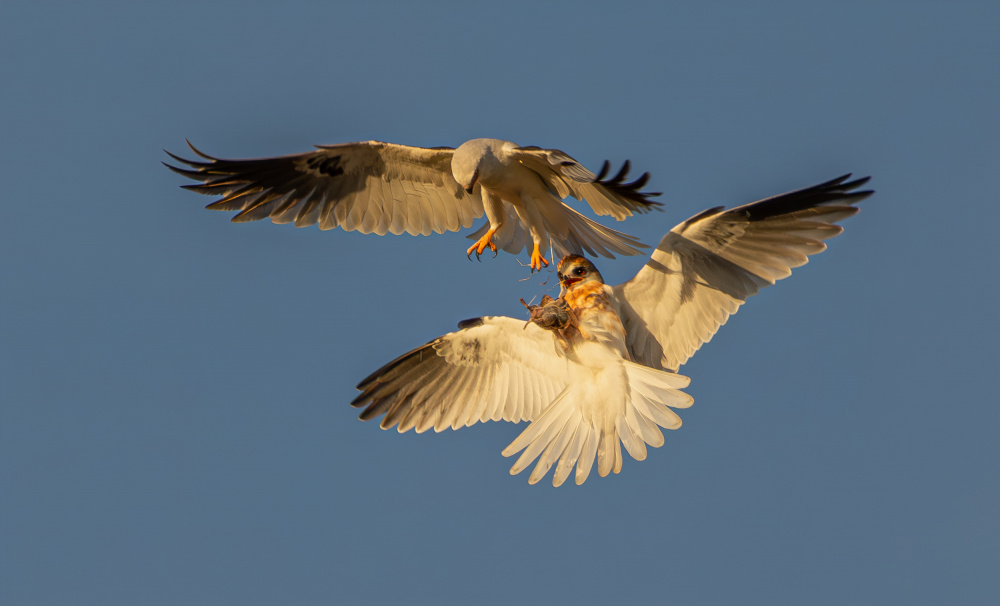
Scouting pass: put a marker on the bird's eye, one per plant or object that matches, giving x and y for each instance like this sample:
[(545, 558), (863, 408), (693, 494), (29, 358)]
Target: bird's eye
[(580, 271)]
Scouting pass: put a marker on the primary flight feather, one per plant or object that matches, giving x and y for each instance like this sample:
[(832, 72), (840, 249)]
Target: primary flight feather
[(376, 187)]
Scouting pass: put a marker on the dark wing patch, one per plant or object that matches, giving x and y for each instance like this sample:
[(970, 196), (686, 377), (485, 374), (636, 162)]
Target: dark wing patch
[(817, 195), (470, 323), (263, 187), (369, 186), (632, 191), (390, 389), (329, 166)]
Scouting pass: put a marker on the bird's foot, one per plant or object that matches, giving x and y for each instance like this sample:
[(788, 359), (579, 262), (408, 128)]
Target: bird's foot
[(537, 260), (480, 246)]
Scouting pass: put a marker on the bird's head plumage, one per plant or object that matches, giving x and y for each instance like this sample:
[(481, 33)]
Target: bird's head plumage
[(575, 270), (467, 162)]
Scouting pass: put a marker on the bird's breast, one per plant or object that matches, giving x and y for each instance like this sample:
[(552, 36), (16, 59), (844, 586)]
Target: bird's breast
[(586, 296), (598, 320), (509, 178)]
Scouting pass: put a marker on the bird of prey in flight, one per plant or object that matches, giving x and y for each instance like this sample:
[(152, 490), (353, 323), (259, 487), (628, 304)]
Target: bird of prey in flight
[(384, 187), (596, 367)]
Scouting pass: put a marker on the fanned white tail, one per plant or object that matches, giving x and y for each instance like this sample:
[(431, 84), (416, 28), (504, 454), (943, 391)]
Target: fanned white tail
[(575, 429)]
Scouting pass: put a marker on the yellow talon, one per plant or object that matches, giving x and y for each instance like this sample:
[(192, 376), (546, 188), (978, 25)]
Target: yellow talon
[(537, 260), (480, 246)]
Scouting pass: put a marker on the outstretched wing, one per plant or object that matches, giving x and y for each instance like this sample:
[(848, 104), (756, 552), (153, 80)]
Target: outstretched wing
[(607, 196), (493, 368), (370, 187), (706, 267)]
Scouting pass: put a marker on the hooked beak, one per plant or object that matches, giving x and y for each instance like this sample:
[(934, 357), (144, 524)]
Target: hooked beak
[(475, 178)]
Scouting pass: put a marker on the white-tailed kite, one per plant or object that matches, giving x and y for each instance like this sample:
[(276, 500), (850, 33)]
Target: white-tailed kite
[(383, 187), (596, 366)]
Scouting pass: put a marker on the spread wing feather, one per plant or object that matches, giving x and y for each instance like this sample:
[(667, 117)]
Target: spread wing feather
[(369, 187), (708, 266), (607, 196), (498, 368), (493, 368)]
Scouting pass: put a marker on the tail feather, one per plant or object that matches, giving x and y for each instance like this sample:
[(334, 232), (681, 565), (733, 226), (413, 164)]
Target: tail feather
[(582, 236), (551, 431), (586, 236), (554, 451), (632, 439), (564, 435), (609, 452), (570, 456), (537, 427), (646, 430)]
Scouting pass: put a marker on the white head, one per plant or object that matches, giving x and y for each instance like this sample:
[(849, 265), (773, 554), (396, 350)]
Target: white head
[(467, 161)]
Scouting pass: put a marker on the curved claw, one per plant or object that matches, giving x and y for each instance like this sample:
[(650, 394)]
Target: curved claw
[(537, 260), (480, 246)]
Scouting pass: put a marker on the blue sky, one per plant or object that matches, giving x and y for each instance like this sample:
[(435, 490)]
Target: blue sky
[(174, 389)]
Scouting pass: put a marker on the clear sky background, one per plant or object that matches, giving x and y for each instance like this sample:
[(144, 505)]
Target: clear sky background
[(175, 428)]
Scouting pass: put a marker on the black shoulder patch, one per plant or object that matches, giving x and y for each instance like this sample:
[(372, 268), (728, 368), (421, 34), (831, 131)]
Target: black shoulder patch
[(325, 165), (470, 323)]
